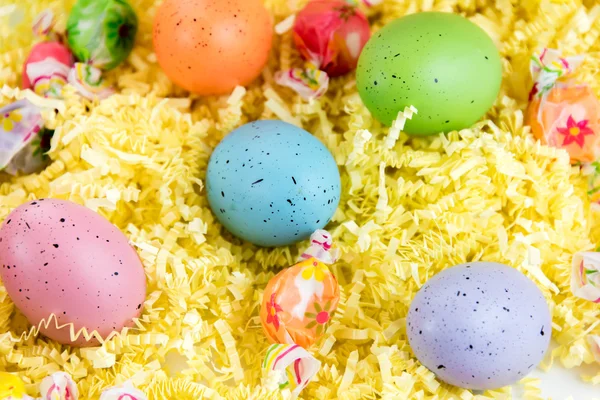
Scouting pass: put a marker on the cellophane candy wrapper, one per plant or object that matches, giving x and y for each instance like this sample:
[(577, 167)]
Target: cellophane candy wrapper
[(294, 366), (46, 69), (124, 392), (330, 35), (585, 277), (563, 114), (59, 386), (22, 138), (102, 32), (89, 82)]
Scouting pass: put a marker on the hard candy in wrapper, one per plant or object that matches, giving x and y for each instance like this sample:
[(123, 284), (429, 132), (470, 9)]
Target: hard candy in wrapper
[(102, 32), (59, 386), (46, 69), (22, 138), (331, 35), (299, 302), (563, 114), (293, 365), (585, 278), (11, 387)]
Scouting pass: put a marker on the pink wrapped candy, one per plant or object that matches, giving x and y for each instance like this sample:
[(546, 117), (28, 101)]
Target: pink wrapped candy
[(331, 34), (47, 68)]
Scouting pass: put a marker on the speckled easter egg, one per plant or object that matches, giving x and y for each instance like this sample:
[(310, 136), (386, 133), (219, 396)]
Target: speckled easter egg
[(60, 258), (102, 32), (441, 63), (479, 325), (211, 46), (272, 183)]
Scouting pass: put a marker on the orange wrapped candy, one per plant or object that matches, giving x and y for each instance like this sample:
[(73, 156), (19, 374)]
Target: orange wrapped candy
[(299, 302), (563, 114)]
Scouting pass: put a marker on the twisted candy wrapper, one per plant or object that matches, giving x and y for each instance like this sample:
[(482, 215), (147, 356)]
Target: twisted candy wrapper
[(294, 365), (89, 82), (46, 69), (21, 138), (330, 34), (563, 114), (60, 386), (125, 392), (585, 278)]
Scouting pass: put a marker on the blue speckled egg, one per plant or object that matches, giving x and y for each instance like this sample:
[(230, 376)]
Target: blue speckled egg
[(272, 183), (479, 325)]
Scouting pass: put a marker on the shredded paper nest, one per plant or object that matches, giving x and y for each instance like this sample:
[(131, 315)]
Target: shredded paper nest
[(409, 208)]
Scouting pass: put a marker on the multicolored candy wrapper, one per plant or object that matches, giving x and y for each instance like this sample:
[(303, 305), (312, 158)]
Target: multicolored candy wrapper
[(11, 387), (298, 303), (563, 114), (125, 392), (330, 35), (294, 365), (21, 138), (102, 32), (46, 69), (43, 26), (308, 83), (89, 82), (59, 386), (585, 277)]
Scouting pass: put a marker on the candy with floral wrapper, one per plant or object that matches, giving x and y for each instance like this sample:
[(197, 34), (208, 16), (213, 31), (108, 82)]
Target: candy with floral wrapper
[(563, 114), (21, 137), (330, 35)]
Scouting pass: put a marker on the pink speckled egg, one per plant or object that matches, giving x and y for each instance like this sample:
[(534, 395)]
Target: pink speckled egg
[(60, 258)]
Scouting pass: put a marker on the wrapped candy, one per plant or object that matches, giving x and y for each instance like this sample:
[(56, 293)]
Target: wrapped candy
[(46, 69), (299, 302), (11, 387), (585, 278), (124, 392), (102, 32), (22, 138), (89, 82), (294, 366), (59, 386), (563, 114), (330, 35)]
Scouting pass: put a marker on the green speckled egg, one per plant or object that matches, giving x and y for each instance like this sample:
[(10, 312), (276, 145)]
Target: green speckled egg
[(443, 64), (102, 32)]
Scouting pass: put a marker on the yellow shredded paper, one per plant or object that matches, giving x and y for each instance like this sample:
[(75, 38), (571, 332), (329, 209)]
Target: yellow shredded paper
[(410, 207)]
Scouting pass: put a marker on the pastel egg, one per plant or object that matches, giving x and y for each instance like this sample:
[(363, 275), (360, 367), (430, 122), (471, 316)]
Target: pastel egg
[(479, 325), (59, 258), (272, 183), (441, 63), (102, 32), (211, 46)]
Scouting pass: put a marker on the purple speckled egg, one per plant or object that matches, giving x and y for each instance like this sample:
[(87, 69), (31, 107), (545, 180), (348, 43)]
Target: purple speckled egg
[(479, 325)]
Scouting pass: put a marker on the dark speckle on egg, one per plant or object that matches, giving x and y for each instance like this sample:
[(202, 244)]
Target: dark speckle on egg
[(484, 340)]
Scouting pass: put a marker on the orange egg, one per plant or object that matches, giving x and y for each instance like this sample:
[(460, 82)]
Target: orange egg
[(211, 46)]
